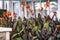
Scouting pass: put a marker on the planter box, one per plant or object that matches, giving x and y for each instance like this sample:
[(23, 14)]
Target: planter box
[(5, 33)]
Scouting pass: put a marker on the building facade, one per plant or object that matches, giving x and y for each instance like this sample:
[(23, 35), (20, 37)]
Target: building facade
[(15, 6)]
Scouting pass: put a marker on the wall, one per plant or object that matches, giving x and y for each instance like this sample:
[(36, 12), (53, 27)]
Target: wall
[(58, 9)]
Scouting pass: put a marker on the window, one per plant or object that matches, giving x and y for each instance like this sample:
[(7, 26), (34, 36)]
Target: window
[(16, 8), (6, 5), (1, 4)]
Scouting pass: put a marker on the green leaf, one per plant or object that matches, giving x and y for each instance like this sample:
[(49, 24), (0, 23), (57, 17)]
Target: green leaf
[(18, 29), (46, 25), (22, 30), (18, 33), (14, 35), (14, 26), (50, 38), (1, 25), (34, 29), (56, 19), (5, 22), (18, 38), (34, 37), (52, 16), (10, 19), (44, 20), (30, 21), (39, 27)]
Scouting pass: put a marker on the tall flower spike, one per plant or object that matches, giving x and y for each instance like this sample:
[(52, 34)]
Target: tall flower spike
[(47, 4), (23, 3), (54, 13), (40, 9), (27, 6), (14, 14), (31, 11), (9, 13)]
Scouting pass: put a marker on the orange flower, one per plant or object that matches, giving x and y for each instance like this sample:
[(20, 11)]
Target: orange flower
[(9, 13), (27, 6), (40, 9), (54, 13), (14, 14), (31, 11), (4, 14), (47, 4), (23, 3)]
